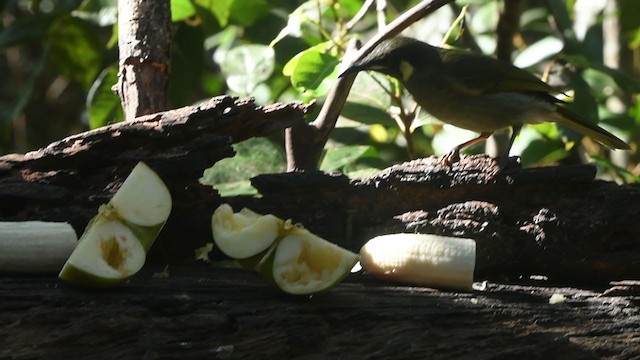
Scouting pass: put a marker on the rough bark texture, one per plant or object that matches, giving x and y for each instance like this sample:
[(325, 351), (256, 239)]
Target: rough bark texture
[(69, 179), (199, 312), (556, 221), (144, 42)]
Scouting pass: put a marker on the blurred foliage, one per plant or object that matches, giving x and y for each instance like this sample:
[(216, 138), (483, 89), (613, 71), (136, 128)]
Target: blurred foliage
[(59, 61)]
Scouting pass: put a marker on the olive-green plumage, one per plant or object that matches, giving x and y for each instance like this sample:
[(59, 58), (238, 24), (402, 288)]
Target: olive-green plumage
[(473, 91)]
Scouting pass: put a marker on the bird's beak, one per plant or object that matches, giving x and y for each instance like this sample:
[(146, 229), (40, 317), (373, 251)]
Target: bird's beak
[(350, 70)]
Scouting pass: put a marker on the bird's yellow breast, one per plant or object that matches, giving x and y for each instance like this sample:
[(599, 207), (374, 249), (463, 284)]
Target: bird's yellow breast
[(406, 70)]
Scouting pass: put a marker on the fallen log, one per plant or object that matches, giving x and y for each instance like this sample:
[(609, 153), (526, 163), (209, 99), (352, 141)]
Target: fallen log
[(196, 312), (67, 180), (556, 221)]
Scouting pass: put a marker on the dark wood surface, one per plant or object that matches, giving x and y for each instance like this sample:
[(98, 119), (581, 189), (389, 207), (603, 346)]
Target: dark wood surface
[(201, 312), (556, 221)]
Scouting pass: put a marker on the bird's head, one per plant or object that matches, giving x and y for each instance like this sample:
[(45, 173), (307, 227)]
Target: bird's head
[(397, 57)]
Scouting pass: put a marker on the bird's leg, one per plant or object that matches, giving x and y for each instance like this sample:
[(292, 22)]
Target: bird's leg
[(515, 130), (454, 155)]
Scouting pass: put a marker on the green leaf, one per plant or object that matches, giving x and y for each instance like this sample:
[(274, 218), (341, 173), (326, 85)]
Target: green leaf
[(312, 69), (542, 151), (103, 105), (290, 67), (247, 12), (182, 10), (366, 114), (621, 173), (254, 156), (246, 66), (626, 82), (75, 49), (308, 12), (221, 9), (339, 157)]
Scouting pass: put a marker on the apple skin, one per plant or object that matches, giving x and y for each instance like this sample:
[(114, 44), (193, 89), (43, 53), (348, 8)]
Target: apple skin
[(316, 254), (114, 245)]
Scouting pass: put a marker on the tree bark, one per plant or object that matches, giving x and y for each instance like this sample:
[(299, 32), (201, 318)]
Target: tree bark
[(144, 41), (199, 312), (554, 221), (69, 179)]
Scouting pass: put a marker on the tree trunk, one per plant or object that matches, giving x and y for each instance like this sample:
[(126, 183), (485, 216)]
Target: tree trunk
[(144, 41)]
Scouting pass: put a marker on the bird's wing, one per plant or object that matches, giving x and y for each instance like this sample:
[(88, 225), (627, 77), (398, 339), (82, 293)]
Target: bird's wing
[(478, 74)]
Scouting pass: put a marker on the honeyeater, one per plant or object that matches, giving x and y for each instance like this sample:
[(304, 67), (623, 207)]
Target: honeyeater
[(473, 91)]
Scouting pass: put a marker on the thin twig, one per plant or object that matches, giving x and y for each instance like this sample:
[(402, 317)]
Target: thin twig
[(363, 10)]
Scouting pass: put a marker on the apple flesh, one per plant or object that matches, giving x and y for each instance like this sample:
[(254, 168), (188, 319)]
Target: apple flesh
[(243, 234), (303, 263), (115, 243), (107, 254)]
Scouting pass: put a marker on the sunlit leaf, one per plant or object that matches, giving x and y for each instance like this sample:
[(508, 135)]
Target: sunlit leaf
[(531, 17), (312, 69), (539, 51), (103, 105), (254, 156), (309, 11), (246, 66), (181, 10), (99, 12), (290, 67), (221, 9)]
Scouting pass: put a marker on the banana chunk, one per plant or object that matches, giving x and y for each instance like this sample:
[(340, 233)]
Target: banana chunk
[(421, 259)]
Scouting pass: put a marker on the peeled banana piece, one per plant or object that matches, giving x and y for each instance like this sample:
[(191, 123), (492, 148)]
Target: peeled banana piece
[(421, 259)]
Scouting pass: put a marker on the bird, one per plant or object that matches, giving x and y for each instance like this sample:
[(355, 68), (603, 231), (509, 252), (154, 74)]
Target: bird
[(474, 91)]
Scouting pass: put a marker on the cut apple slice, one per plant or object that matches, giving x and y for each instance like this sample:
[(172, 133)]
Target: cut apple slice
[(143, 199), (303, 263), (243, 234), (108, 253), (114, 244)]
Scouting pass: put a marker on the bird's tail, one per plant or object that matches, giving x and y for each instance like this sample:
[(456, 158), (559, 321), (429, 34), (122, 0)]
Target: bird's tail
[(572, 121)]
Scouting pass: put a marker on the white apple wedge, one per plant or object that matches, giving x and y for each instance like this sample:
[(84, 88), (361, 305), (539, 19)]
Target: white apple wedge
[(114, 244), (108, 253), (243, 234), (143, 199)]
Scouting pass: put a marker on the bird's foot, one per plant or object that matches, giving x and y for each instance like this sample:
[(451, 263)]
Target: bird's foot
[(451, 157)]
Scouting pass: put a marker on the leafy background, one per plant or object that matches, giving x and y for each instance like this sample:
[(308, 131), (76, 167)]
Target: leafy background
[(58, 61)]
